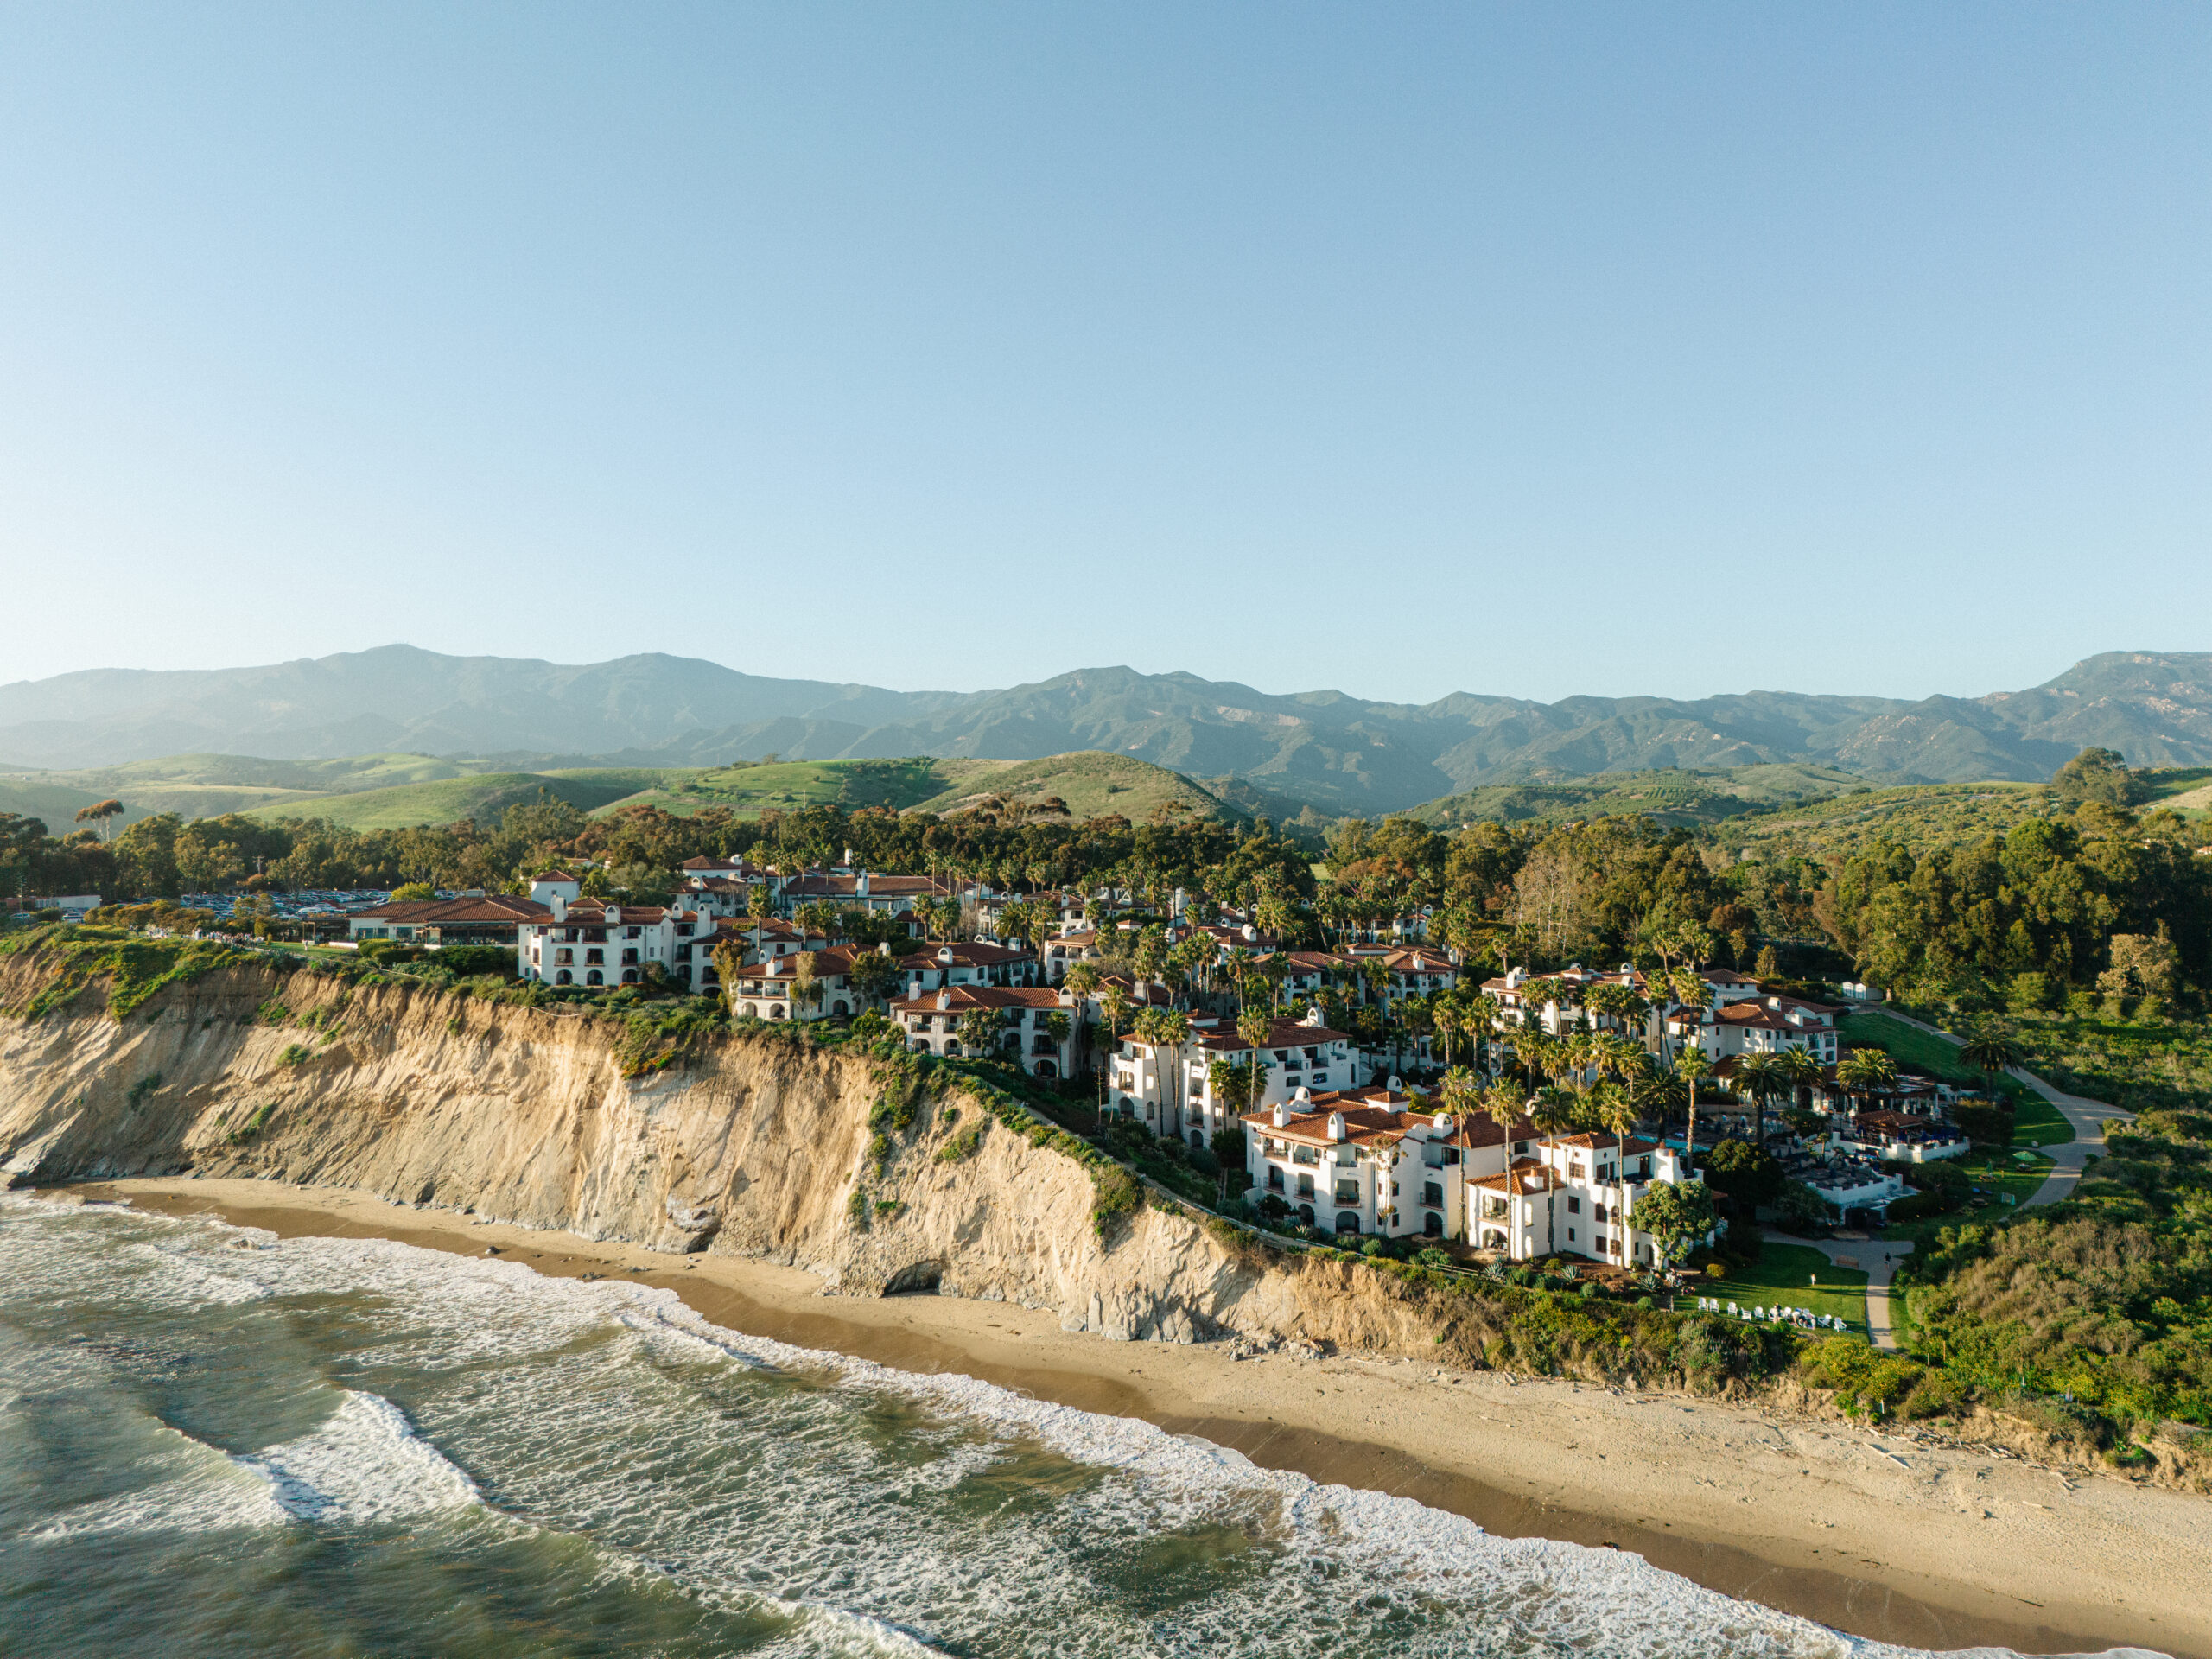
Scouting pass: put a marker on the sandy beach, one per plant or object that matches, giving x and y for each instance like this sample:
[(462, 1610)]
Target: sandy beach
[(1882, 1536)]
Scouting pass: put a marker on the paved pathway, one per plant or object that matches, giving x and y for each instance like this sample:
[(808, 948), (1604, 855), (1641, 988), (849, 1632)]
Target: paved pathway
[(1877, 1260), (2086, 1118)]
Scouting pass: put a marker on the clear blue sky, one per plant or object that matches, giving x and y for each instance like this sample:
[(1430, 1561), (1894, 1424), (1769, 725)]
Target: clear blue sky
[(1532, 350)]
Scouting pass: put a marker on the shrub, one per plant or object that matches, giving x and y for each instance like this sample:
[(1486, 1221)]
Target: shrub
[(1433, 1257), (1116, 1195), (296, 1054), (961, 1145)]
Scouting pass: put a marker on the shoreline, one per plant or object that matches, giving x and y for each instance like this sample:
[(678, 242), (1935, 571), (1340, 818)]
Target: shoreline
[(1827, 1521)]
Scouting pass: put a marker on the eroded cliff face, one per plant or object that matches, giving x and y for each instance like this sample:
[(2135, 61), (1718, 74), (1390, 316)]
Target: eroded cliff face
[(748, 1146)]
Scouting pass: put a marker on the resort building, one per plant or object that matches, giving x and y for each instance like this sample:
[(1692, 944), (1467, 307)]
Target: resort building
[(1036, 1023)]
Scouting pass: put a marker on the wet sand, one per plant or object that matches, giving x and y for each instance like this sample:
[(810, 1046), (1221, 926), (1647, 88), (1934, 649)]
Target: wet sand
[(1877, 1535)]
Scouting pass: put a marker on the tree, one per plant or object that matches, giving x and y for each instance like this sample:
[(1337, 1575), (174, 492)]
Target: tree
[(1746, 1175), (1866, 1071), (1057, 1026), (1679, 1215), (1803, 1071), (98, 813), (409, 893), (2100, 775), (1444, 1018), (1166, 1031), (1616, 1108), (1990, 1054), (1690, 1068), (1254, 1027), (873, 975), (806, 982), (1764, 1080), (1081, 982), (979, 1031)]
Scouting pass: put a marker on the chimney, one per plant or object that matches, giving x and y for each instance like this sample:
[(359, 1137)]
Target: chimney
[(560, 908), (943, 1000), (1336, 1126), (1282, 1115), (863, 886)]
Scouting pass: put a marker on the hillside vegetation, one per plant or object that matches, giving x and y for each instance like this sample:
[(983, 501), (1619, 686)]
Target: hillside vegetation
[(1669, 796)]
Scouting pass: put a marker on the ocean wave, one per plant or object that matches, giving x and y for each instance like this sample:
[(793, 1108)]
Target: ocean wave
[(366, 1465), (198, 1488)]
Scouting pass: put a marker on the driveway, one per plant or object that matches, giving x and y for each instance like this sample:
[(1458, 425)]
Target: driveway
[(2086, 1118)]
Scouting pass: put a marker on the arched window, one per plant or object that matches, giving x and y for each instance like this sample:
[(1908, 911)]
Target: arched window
[(564, 978), (1047, 1069), (594, 977), (1433, 1225), (629, 976), (775, 1010), (1347, 1221), (1198, 1141), (838, 1007), (752, 1011), (1306, 1214)]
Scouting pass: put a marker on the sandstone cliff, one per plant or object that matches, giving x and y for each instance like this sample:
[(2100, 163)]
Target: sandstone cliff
[(753, 1144)]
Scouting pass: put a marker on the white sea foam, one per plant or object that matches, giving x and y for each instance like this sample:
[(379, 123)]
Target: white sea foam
[(365, 1466), (596, 1408), (198, 1490)]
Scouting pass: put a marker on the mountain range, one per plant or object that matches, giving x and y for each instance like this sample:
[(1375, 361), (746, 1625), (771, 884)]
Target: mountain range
[(1336, 752)]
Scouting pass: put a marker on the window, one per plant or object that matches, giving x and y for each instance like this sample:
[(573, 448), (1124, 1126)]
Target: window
[(1347, 1192), (1573, 1205), (1570, 1235), (1431, 1194)]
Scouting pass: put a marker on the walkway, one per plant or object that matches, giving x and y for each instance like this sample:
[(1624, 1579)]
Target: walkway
[(1874, 1258), (2086, 1118)]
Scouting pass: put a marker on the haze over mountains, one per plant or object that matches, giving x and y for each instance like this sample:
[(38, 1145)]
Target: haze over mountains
[(1340, 754)]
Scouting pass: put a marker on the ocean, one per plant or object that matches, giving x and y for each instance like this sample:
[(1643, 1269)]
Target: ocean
[(214, 1443)]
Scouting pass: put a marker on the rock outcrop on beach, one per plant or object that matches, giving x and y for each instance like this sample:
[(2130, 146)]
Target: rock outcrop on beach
[(749, 1144)]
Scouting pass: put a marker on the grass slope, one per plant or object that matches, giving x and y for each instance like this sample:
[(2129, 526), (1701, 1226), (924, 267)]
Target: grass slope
[(1093, 783), (448, 800), (753, 787)]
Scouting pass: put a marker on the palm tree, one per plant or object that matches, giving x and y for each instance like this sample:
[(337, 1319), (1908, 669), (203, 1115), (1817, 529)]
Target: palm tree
[(1802, 1071), (1254, 1027), (1865, 1070), (1505, 1105), (1765, 1078), (1554, 1110), (1445, 1019), (1057, 1026), (1615, 1110), (1691, 1066), (1688, 988), (1081, 982), (1988, 1054), (1115, 1005)]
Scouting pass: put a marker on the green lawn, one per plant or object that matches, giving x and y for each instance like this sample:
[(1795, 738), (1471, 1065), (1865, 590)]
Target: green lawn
[(1784, 1275), (2001, 1176), (2037, 1122)]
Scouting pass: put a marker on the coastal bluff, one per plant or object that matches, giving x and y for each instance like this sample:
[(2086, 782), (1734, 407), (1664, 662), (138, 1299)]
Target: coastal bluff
[(746, 1143)]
